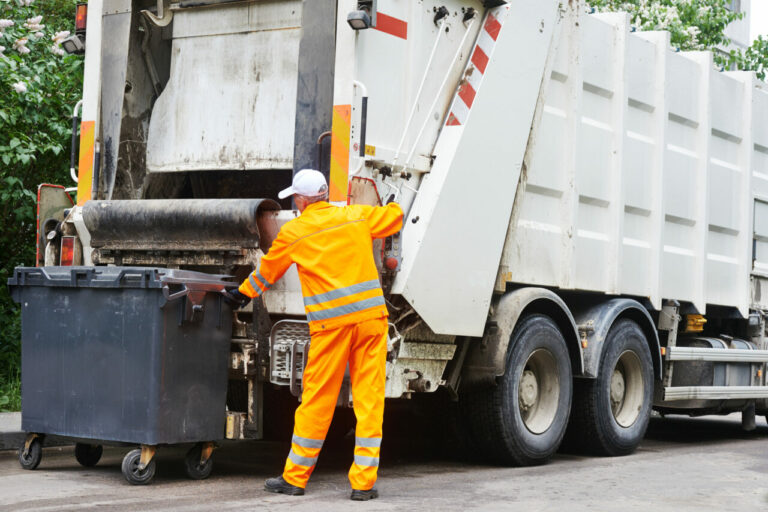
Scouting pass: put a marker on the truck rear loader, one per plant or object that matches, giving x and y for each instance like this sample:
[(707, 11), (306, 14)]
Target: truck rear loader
[(586, 231)]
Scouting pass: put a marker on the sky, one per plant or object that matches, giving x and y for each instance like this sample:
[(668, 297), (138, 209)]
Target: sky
[(759, 18)]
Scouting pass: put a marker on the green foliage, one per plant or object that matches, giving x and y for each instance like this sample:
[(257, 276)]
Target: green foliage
[(755, 58), (693, 25), (38, 89)]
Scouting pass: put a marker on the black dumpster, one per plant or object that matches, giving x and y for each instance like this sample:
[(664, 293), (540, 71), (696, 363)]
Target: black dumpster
[(123, 354)]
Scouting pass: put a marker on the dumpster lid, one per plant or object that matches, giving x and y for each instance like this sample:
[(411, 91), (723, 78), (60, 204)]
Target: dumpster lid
[(115, 277)]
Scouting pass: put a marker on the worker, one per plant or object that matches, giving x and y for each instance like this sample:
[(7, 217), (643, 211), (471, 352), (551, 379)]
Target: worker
[(332, 248)]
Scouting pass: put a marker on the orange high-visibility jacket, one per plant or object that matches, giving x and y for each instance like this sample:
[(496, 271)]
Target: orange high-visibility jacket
[(332, 248)]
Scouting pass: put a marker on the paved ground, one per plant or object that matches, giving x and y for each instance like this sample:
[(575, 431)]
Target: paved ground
[(684, 465)]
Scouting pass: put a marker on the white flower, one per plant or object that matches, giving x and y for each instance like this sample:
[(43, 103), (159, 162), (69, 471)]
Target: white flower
[(6, 23), (35, 21), (57, 50), (38, 35), (2, 49), (23, 50), (60, 36), (20, 87), (20, 43)]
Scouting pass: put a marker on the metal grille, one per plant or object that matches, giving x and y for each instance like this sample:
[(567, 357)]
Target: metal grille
[(288, 357)]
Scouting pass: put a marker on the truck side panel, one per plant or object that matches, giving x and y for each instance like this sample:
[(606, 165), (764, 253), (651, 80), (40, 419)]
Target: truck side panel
[(639, 183)]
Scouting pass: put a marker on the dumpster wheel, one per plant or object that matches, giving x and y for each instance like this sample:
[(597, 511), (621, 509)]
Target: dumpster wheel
[(88, 455), (198, 462), (133, 470), (31, 452)]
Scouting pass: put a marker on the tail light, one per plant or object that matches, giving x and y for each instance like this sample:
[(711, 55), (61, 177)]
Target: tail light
[(81, 16), (67, 251)]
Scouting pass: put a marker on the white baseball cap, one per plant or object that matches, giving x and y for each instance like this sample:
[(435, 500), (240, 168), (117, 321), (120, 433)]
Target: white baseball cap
[(306, 182)]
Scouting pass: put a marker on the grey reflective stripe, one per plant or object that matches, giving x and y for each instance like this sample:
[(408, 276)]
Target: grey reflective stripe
[(306, 442), (260, 277), (255, 286), (366, 461), (368, 442), (302, 461), (342, 292), (345, 309)]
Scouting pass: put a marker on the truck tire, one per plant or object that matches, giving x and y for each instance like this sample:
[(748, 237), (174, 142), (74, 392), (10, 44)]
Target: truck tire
[(521, 421), (611, 413)]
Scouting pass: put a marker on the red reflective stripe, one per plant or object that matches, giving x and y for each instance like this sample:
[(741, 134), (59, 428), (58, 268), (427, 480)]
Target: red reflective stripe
[(391, 26), (67, 251), (493, 27), (480, 59), (467, 93), (452, 121)]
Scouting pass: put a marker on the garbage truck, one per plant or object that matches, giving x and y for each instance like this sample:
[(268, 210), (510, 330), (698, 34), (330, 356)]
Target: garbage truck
[(586, 229)]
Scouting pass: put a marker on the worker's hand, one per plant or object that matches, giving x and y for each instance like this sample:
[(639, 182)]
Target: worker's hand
[(235, 298)]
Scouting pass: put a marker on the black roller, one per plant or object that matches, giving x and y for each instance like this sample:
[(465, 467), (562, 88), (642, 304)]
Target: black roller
[(180, 224)]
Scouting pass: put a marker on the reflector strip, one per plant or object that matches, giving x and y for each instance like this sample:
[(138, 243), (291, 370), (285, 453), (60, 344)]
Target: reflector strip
[(307, 442), (492, 26), (301, 461), (390, 25), (368, 442), (342, 292), (480, 59), (366, 461), (346, 309), (481, 56), (340, 132), (67, 251), (85, 166)]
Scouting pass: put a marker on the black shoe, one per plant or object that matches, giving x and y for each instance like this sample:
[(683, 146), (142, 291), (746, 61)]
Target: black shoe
[(280, 486), (358, 495)]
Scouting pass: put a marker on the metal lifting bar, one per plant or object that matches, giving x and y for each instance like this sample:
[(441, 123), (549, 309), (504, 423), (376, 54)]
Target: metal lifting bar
[(72, 155), (361, 159), (418, 94), (408, 161)]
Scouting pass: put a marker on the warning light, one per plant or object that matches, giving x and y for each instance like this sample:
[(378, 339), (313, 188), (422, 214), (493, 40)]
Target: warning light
[(67, 251), (81, 17)]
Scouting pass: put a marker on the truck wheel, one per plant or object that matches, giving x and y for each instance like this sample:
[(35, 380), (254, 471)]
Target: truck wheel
[(522, 420), (611, 413), (131, 471), (88, 455), (31, 459)]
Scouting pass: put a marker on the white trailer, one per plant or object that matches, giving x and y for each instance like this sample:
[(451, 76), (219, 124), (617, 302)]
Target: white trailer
[(587, 207)]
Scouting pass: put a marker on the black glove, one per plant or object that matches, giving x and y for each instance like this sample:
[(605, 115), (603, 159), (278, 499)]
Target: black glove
[(235, 298)]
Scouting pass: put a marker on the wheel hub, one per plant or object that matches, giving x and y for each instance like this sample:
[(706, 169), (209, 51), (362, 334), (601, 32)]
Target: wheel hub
[(626, 392), (618, 387), (538, 391), (529, 390)]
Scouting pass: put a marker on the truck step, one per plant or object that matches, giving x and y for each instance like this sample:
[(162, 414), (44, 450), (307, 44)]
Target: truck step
[(716, 354), (714, 392)]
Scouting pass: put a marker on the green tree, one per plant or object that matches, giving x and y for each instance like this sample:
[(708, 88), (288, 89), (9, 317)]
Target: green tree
[(39, 85), (693, 25)]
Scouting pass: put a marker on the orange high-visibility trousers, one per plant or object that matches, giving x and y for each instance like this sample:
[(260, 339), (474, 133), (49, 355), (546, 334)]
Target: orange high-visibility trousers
[(364, 347)]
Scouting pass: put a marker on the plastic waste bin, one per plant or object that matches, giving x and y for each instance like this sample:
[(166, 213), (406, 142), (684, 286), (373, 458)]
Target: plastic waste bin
[(123, 354)]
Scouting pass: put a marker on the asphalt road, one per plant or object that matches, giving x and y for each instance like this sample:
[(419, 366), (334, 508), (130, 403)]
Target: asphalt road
[(683, 465)]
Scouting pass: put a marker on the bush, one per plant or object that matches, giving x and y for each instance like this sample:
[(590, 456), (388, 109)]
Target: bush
[(693, 25), (39, 86)]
